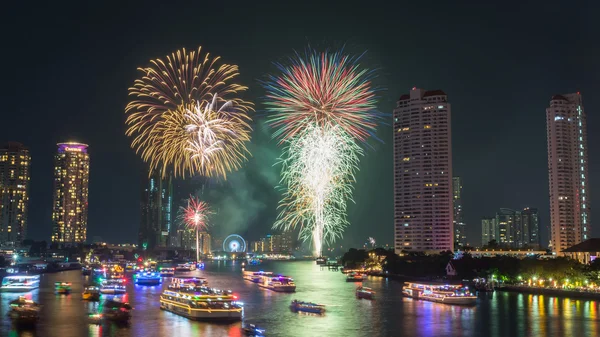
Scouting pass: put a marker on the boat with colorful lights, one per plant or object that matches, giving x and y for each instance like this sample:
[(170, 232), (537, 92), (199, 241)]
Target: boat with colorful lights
[(91, 293), (355, 277), (167, 272), (313, 308), (20, 283), (147, 278), (24, 311), (62, 288), (113, 286), (185, 267), (255, 276), (215, 306), (184, 283), (365, 293), (278, 283), (441, 293), (116, 311)]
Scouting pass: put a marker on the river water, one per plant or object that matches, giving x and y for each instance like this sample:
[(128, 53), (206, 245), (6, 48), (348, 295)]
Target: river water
[(498, 315)]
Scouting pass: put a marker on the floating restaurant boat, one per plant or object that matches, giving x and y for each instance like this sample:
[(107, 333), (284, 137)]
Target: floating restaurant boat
[(278, 283), (148, 278), (187, 283), (355, 277), (167, 272), (214, 307), (24, 311), (365, 292), (441, 293), (255, 276), (307, 307), (113, 286), (186, 267), (20, 283), (63, 288), (116, 311), (91, 293)]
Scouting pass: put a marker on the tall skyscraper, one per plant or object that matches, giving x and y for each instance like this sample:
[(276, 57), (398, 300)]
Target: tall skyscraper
[(423, 208), (508, 222), (460, 233), (15, 163), (488, 230), (531, 222), (568, 172), (156, 225), (70, 207)]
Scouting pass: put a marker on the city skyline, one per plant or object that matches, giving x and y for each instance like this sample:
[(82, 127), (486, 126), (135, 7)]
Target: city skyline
[(476, 68)]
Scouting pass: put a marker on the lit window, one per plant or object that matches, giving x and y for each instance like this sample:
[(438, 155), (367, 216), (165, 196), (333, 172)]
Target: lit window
[(406, 158), (558, 118), (440, 106)]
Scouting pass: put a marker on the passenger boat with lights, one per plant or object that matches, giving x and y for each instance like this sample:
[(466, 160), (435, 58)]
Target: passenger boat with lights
[(63, 288), (116, 311), (278, 283), (255, 276), (91, 293), (167, 272), (321, 260), (365, 292), (218, 306), (441, 293), (355, 277), (113, 286), (184, 283), (148, 278), (20, 283), (312, 308), (186, 267), (24, 312)]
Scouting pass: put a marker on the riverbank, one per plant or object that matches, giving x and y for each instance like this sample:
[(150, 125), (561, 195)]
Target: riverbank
[(550, 291)]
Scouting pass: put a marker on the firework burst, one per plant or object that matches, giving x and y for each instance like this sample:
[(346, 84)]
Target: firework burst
[(195, 215), (326, 89), (185, 118), (321, 107)]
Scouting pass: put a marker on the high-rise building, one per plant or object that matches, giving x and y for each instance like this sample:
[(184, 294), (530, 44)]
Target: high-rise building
[(568, 172), (423, 209), (15, 163), (70, 207), (488, 230), (531, 222), (204, 242), (460, 233), (156, 225)]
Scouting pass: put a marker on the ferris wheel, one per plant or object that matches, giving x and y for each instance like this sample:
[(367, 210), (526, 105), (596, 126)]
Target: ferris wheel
[(234, 244)]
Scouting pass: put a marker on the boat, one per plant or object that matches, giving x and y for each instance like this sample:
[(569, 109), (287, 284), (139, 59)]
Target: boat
[(179, 283), (86, 271), (278, 283), (355, 277), (20, 283), (116, 311), (91, 293), (321, 260), (63, 288), (148, 278), (208, 307), (365, 292), (167, 272), (441, 293), (95, 318), (24, 311), (113, 286), (312, 308), (253, 330), (186, 267), (255, 276)]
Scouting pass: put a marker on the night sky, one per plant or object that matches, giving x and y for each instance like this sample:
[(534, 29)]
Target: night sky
[(67, 69)]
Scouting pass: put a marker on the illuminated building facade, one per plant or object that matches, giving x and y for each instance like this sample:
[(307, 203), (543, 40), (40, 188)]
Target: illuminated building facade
[(488, 230), (70, 206), (423, 207), (15, 163), (156, 227), (568, 172), (460, 233)]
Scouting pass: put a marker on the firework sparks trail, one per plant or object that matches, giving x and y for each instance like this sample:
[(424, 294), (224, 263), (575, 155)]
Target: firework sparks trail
[(321, 106), (195, 216), (372, 241), (175, 102), (318, 172)]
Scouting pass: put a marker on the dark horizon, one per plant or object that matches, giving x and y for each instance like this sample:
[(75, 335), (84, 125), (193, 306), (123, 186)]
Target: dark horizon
[(69, 68)]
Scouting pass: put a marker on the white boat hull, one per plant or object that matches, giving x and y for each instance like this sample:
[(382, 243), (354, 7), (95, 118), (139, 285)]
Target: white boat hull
[(279, 288), (113, 291), (460, 300), (20, 289), (203, 315)]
